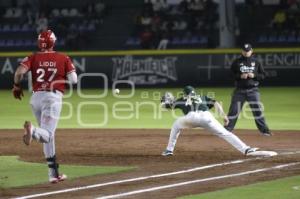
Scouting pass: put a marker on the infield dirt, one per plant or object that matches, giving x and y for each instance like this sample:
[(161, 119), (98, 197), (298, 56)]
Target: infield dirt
[(142, 149)]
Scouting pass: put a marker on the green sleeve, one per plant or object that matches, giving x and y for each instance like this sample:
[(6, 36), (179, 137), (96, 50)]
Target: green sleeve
[(178, 103), (209, 102)]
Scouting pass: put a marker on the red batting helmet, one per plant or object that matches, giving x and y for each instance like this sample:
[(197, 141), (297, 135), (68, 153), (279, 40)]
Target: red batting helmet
[(46, 40)]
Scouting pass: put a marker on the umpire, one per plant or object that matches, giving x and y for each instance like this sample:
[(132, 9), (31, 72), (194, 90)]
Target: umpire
[(247, 72)]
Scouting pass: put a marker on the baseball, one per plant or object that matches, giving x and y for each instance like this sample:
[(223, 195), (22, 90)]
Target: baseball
[(117, 91)]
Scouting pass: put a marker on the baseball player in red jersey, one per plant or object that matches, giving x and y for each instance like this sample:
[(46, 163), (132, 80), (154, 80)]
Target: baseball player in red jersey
[(50, 70)]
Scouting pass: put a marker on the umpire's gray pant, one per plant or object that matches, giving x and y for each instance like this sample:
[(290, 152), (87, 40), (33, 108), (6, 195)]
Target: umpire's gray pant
[(238, 99)]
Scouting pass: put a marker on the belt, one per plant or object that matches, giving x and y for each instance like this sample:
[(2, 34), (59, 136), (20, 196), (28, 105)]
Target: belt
[(247, 88)]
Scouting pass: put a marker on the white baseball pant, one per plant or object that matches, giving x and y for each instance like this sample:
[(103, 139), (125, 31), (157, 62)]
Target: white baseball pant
[(207, 121), (46, 107)]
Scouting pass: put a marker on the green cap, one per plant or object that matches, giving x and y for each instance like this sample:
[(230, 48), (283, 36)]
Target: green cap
[(188, 90)]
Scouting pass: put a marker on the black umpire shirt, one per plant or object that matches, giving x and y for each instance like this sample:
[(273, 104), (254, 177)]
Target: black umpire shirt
[(247, 65)]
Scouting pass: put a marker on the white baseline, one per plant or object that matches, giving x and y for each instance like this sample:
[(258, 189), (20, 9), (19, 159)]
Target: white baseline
[(197, 181), (146, 177)]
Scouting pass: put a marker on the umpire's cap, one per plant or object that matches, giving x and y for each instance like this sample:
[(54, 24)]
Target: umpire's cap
[(247, 47), (188, 90)]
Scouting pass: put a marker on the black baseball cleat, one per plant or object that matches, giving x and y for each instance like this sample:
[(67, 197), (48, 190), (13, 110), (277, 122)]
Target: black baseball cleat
[(259, 153), (250, 150), (167, 153)]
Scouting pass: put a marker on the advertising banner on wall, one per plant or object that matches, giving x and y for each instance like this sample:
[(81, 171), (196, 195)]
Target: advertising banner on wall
[(170, 70)]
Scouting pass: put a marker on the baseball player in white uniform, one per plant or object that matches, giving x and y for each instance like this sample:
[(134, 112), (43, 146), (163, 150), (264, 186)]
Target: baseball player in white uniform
[(50, 70), (196, 110)]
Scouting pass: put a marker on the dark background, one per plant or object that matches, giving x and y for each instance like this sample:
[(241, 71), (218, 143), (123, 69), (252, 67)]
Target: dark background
[(198, 69)]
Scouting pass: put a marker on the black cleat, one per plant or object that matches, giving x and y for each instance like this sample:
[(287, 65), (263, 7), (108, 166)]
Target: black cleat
[(167, 153), (251, 150)]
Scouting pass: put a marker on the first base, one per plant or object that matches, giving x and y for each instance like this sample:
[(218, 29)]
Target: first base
[(263, 153)]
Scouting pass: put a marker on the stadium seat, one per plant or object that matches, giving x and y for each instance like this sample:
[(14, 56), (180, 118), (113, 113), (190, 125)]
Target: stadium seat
[(73, 12), (281, 39), (60, 42), (27, 43), (17, 12), (134, 41), (194, 40), (203, 40), (81, 27), (10, 43), (16, 28), (2, 43), (298, 39), (185, 40), (129, 41), (9, 13), (291, 39), (91, 27), (262, 39), (19, 43), (272, 38), (6, 28), (176, 40), (65, 12), (73, 26), (25, 27), (55, 13)]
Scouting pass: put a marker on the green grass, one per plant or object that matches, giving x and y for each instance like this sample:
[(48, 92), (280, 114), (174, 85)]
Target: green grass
[(286, 188), (282, 108), (15, 173)]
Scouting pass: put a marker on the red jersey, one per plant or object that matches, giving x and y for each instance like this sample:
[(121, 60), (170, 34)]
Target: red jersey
[(49, 70)]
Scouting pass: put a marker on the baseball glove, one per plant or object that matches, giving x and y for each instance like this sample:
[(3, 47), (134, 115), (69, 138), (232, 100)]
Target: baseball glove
[(17, 91), (167, 98)]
